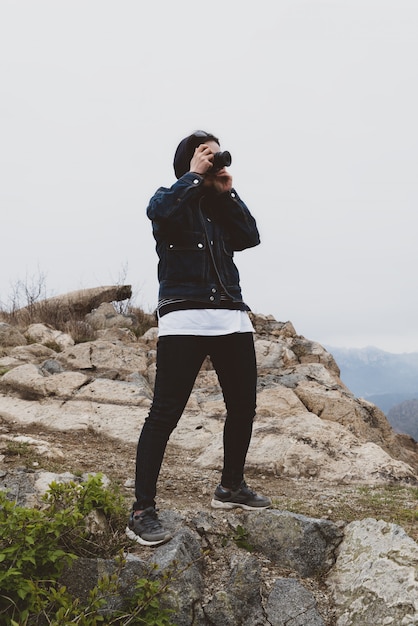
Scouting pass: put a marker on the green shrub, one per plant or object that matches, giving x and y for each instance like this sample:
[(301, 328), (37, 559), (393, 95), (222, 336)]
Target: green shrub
[(36, 545), (241, 539), (30, 556)]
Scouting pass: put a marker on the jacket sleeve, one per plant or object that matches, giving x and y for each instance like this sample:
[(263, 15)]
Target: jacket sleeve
[(167, 204), (238, 221)]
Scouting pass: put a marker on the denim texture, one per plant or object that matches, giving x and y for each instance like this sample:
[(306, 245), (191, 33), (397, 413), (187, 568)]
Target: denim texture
[(179, 359), (197, 233)]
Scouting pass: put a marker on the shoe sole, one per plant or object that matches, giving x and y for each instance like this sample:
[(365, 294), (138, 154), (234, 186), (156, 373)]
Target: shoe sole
[(218, 504), (144, 542)]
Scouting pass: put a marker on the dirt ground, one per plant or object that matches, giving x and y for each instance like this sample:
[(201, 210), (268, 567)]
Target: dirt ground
[(185, 486)]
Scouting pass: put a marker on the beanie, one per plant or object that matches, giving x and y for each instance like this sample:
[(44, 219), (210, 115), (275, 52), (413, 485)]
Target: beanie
[(185, 150)]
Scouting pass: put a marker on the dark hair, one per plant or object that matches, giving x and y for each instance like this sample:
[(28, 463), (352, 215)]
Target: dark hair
[(186, 148)]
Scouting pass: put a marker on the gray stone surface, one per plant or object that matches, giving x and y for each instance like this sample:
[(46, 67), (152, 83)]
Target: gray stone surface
[(375, 578), (290, 604), (303, 544)]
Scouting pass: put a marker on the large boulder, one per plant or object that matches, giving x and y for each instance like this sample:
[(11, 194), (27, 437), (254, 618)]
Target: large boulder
[(81, 301), (375, 578), (109, 359)]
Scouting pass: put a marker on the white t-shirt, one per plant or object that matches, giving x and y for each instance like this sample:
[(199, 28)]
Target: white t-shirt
[(207, 322)]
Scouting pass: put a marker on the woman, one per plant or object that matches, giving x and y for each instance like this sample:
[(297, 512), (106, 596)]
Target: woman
[(198, 224)]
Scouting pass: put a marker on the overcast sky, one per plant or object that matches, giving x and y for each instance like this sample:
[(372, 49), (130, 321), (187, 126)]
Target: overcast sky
[(316, 100)]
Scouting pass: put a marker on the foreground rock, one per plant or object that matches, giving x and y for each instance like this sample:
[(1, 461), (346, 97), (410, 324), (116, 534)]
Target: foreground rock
[(375, 578), (270, 567), (302, 571)]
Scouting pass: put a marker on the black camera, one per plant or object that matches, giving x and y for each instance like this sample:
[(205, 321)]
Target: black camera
[(220, 160)]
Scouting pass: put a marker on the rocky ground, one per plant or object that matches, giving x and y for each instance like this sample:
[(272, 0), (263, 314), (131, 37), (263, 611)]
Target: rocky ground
[(184, 486), (186, 489), (310, 430)]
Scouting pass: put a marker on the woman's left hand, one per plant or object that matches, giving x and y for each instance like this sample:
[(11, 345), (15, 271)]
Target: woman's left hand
[(221, 181)]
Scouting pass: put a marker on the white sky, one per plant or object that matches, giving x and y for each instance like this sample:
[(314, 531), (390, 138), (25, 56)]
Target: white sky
[(317, 101)]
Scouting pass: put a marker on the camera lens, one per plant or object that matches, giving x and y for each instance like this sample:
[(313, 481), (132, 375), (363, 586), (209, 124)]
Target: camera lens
[(221, 159)]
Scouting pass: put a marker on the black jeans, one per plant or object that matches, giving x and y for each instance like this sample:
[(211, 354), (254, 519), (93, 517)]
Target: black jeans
[(179, 359)]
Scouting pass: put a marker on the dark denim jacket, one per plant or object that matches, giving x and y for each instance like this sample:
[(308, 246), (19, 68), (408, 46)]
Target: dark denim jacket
[(197, 234)]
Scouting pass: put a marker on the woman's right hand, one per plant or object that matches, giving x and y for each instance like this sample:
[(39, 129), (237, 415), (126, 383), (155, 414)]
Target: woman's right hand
[(202, 160)]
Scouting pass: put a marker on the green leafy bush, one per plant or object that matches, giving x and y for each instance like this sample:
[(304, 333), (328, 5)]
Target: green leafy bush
[(36, 545), (30, 556)]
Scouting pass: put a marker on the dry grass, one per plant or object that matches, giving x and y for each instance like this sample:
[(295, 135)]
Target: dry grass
[(29, 305), (395, 503)]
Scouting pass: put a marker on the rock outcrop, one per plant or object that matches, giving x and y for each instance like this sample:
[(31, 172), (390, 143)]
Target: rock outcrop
[(308, 425), (267, 568), (80, 302)]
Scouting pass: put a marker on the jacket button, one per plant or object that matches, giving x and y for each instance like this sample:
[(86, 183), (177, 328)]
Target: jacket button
[(200, 245), (211, 298), (213, 290), (232, 195), (196, 181)]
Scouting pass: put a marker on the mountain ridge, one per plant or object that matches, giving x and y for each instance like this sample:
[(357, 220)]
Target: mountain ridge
[(384, 378)]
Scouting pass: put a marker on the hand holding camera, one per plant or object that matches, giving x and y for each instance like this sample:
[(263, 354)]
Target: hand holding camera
[(211, 165)]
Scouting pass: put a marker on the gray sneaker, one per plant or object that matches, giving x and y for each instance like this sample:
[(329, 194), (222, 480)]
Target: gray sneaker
[(146, 528), (243, 498)]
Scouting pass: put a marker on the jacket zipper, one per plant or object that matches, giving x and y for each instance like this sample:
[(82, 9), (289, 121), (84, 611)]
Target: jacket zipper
[(210, 246)]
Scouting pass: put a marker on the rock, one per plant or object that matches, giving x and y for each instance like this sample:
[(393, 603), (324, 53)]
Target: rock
[(273, 355), (312, 352), (302, 544), (30, 382), (51, 366), (239, 601), (375, 578), (20, 487), (308, 424), (34, 353), (122, 422), (182, 557), (26, 487), (81, 302), (10, 336), (105, 358), (104, 391), (41, 446), (370, 568), (45, 335), (106, 316), (290, 604), (42, 481), (8, 362), (116, 334), (360, 417), (151, 337), (268, 325), (289, 441)]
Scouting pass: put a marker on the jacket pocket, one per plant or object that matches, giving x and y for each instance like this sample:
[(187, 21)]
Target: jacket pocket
[(186, 240), (227, 247), (185, 257)]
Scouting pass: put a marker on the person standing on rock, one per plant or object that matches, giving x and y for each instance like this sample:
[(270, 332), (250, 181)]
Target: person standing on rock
[(198, 224)]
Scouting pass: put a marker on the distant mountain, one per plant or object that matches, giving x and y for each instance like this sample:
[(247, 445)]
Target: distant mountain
[(405, 416), (381, 377)]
